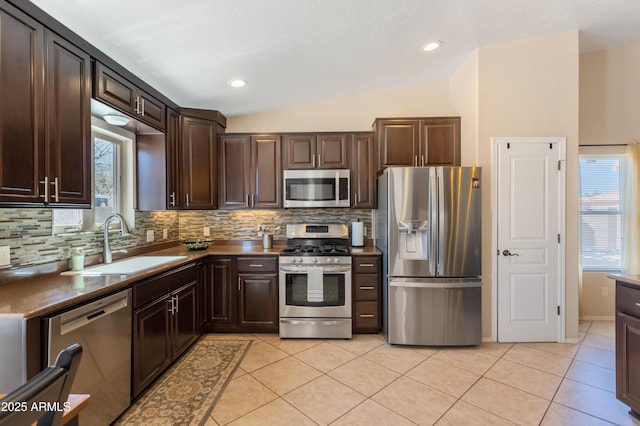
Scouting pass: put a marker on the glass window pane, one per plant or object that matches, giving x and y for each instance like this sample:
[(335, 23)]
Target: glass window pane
[(105, 196), (601, 211)]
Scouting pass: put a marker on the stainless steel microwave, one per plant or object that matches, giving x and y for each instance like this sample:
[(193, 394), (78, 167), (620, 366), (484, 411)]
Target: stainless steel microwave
[(316, 188)]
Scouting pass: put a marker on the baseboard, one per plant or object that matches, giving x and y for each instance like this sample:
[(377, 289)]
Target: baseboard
[(598, 318)]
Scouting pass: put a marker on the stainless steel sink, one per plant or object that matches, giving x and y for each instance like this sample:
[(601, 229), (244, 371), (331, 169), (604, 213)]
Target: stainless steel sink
[(128, 266)]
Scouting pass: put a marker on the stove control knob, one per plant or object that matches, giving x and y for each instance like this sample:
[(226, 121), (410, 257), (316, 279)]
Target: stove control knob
[(314, 260), (298, 260), (335, 260)]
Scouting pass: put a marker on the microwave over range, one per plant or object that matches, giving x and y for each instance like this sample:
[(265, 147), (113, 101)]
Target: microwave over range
[(316, 188)]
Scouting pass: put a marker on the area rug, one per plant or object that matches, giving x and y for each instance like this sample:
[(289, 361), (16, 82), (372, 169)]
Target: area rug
[(187, 392)]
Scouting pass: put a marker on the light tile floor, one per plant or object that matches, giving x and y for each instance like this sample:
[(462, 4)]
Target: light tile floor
[(365, 381)]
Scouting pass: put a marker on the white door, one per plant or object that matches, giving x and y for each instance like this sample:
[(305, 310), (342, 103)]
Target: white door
[(528, 238)]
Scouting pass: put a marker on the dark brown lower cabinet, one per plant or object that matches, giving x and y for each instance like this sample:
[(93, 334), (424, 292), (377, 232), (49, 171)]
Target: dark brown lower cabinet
[(366, 294), (628, 346), (242, 294), (163, 327)]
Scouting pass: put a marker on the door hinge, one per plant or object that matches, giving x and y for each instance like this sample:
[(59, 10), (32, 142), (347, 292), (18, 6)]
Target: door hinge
[(558, 309), (559, 164), (558, 238)]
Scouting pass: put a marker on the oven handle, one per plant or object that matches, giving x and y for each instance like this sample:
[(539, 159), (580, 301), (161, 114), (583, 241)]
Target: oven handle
[(324, 269)]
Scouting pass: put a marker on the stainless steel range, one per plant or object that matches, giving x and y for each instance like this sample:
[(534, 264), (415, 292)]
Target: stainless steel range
[(315, 282)]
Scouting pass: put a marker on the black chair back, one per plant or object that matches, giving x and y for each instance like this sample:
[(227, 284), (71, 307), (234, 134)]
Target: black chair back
[(42, 398)]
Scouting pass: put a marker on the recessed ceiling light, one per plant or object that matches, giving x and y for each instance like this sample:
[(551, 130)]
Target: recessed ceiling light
[(238, 83), (116, 120), (432, 45)]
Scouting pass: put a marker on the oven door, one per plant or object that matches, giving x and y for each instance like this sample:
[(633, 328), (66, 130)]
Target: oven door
[(315, 292)]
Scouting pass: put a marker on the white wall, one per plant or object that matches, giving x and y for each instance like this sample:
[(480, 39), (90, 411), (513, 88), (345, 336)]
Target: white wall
[(355, 113), (530, 88)]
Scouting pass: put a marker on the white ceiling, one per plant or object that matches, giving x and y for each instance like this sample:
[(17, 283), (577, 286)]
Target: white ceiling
[(299, 51)]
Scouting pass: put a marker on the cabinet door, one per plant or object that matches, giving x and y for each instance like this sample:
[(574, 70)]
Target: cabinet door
[(151, 110), (185, 318), (266, 169), (332, 151), (363, 172), (199, 164), (627, 360), (258, 302), (440, 141), (235, 172), (68, 111), (174, 197), (114, 90), (22, 115), (219, 292), (299, 151), (151, 343), (397, 142)]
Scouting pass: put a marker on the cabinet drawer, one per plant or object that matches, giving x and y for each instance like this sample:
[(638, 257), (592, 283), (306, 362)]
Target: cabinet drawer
[(163, 284), (260, 264), (366, 316), (628, 299), (366, 287), (366, 264)]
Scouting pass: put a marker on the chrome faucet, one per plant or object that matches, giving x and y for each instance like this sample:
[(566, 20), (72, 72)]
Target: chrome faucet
[(124, 230)]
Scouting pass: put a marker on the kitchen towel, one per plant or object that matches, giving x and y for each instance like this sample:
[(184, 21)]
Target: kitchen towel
[(315, 284), (357, 234)]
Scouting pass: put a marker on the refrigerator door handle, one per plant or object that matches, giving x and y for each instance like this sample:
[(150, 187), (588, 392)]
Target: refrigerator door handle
[(419, 284)]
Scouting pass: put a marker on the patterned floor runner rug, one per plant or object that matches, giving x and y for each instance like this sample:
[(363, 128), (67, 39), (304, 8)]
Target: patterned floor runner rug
[(187, 392)]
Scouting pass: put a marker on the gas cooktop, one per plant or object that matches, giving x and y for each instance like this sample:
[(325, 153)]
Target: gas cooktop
[(316, 250)]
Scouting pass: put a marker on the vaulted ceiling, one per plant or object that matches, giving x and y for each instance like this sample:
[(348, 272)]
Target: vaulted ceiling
[(299, 51)]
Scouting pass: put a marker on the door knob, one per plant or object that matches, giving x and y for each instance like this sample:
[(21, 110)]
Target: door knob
[(508, 253)]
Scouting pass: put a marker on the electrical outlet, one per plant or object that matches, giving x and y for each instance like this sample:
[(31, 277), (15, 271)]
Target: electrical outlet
[(165, 233), (150, 236), (605, 291), (207, 231), (5, 256)]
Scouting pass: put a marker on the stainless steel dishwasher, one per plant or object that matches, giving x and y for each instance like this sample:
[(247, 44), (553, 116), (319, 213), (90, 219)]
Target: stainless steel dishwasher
[(103, 329)]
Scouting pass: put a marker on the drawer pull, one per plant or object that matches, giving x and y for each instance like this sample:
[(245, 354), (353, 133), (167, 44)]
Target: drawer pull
[(367, 265), (638, 304), (370, 287), (367, 316), (256, 265)]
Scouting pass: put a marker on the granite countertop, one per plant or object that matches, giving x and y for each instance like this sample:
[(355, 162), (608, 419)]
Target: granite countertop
[(43, 295), (628, 279)]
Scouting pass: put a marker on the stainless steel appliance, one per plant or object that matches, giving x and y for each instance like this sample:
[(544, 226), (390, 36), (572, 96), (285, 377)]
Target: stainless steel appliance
[(315, 282), (103, 329), (428, 226), (316, 188)]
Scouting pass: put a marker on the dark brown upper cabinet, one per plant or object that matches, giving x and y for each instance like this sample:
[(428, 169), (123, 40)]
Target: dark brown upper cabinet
[(118, 92), (315, 151), (418, 141), (45, 90), (250, 171), (363, 171), (199, 162)]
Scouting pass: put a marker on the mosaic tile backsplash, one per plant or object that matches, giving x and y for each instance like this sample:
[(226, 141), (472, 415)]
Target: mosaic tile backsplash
[(28, 231)]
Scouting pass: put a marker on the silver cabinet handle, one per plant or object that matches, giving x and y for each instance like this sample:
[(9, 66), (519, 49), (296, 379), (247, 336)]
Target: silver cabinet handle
[(137, 107), (415, 161), (367, 287), (172, 199), (367, 316), (248, 205), (239, 283), (142, 112), (319, 160), (256, 265), (176, 303), (367, 265), (186, 200), (313, 160), (508, 253), (56, 192), (172, 307), (638, 304), (46, 189), (253, 200), (422, 161)]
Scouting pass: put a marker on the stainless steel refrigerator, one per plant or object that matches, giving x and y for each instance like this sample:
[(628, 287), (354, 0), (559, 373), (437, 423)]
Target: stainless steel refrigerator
[(428, 227)]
